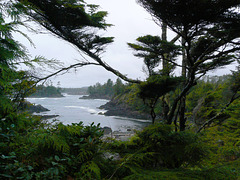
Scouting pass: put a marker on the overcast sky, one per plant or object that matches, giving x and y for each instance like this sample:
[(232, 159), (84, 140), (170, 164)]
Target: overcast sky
[(130, 21)]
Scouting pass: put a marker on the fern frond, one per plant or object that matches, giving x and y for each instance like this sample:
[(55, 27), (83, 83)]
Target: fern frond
[(74, 129), (44, 139), (85, 155), (89, 170), (59, 143)]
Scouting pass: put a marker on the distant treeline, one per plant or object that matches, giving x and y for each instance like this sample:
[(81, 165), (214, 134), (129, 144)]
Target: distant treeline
[(203, 102), (107, 90), (75, 91), (46, 91)]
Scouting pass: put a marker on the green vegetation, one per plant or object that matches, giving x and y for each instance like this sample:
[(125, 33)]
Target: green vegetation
[(107, 90), (195, 136), (75, 91), (46, 91)]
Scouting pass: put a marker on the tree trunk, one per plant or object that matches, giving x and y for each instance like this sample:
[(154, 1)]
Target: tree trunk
[(182, 118), (165, 62)]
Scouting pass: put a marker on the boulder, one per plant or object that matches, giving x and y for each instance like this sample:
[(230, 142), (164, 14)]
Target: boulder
[(31, 108), (107, 130)]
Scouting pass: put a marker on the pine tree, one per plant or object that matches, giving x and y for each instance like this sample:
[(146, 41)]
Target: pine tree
[(206, 27)]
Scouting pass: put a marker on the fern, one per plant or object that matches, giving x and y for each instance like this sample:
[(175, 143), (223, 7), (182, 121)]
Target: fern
[(89, 170), (44, 139), (69, 130), (85, 155)]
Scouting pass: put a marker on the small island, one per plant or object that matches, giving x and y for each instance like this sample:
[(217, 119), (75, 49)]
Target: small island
[(46, 91)]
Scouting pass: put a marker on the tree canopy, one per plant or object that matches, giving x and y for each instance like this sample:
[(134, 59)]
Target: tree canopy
[(77, 23), (154, 50), (210, 33), (33, 149)]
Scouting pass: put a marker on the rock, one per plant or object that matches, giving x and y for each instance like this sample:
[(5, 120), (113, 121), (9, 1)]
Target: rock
[(115, 108), (112, 156), (101, 113), (45, 117), (107, 97), (31, 108), (107, 130), (37, 108), (118, 135)]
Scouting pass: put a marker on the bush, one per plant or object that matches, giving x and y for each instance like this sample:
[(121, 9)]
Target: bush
[(169, 148), (52, 152), (159, 146)]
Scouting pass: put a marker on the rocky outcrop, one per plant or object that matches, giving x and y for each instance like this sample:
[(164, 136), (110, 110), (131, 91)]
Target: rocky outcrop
[(46, 117), (37, 108), (32, 108), (96, 97), (118, 108)]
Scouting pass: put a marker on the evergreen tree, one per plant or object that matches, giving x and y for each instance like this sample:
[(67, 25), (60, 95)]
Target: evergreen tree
[(206, 27), (77, 23), (118, 87), (209, 31), (154, 50)]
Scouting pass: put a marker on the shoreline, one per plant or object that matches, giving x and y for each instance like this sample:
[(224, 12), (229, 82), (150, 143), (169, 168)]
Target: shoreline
[(115, 108)]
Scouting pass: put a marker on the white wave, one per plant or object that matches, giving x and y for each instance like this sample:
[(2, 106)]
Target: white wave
[(90, 110), (104, 100), (65, 94), (131, 119), (36, 98), (73, 107)]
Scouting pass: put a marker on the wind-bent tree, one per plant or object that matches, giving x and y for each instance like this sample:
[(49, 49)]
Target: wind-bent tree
[(14, 83), (210, 32), (77, 23), (154, 51), (209, 29)]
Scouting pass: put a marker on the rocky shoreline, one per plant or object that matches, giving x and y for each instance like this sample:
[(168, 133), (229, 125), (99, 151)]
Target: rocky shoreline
[(95, 97), (116, 108), (32, 108)]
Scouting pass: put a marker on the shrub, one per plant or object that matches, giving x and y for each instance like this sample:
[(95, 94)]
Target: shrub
[(57, 152), (159, 146), (169, 148)]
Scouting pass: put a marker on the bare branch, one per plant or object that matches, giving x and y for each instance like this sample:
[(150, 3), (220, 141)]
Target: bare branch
[(175, 38), (66, 69)]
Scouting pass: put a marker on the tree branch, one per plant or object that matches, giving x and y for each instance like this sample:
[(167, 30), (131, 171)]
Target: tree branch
[(65, 69), (175, 38), (218, 114)]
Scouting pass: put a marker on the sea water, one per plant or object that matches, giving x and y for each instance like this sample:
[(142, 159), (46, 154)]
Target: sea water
[(71, 109)]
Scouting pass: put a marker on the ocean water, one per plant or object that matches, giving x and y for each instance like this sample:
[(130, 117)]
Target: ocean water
[(71, 109)]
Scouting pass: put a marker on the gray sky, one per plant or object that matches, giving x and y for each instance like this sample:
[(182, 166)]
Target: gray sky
[(130, 21)]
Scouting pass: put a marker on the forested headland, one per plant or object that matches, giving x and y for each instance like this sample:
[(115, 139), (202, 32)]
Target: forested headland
[(75, 91), (195, 118), (46, 91), (105, 91)]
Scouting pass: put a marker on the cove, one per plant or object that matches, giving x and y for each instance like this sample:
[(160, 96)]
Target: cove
[(71, 109)]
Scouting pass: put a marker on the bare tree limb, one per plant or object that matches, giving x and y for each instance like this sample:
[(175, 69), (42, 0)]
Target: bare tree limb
[(65, 69), (175, 38)]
